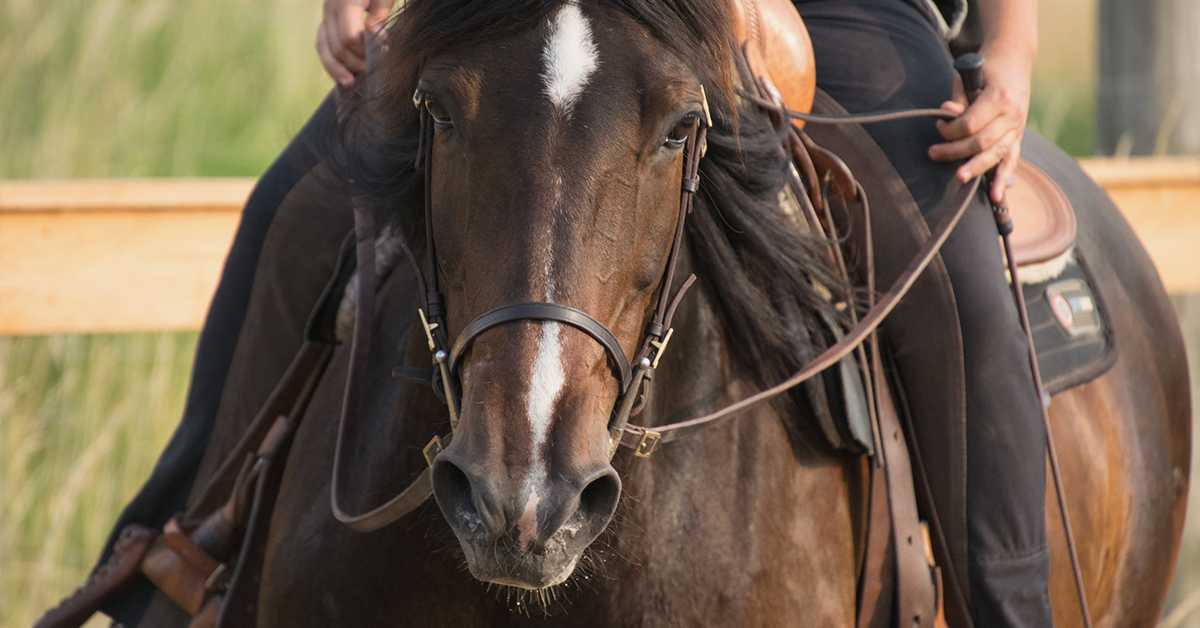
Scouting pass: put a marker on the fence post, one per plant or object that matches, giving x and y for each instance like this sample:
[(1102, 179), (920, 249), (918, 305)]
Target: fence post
[(1148, 99)]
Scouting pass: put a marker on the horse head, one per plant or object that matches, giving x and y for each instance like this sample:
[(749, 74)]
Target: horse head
[(556, 179), (560, 134)]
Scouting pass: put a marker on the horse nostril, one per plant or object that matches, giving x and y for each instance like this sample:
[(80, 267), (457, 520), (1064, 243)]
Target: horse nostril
[(452, 489), (599, 498)]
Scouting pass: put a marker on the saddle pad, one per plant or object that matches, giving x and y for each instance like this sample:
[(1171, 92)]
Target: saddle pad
[(1070, 329), (1043, 220)]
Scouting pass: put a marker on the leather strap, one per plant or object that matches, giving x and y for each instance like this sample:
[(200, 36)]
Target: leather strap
[(637, 437), (877, 577), (297, 383), (916, 594), (408, 500), (543, 311), (957, 609), (240, 605), (176, 577), (422, 487)]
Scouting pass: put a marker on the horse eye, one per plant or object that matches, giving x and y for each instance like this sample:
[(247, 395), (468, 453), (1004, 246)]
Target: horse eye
[(440, 116), (678, 136)]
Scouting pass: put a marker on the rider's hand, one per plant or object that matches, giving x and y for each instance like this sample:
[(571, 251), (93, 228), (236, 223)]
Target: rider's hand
[(339, 37), (989, 131)]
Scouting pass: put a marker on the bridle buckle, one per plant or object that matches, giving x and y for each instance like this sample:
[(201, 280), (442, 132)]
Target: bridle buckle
[(648, 443), (660, 346), (428, 327), (432, 449)]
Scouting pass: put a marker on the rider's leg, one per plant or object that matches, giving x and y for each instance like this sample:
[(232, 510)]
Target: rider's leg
[(167, 490), (883, 54)]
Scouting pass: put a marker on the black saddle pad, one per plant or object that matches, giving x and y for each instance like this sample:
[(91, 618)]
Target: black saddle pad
[(1070, 330)]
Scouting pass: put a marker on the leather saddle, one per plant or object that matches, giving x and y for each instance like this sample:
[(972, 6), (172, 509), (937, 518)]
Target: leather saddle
[(1043, 216), (779, 50)]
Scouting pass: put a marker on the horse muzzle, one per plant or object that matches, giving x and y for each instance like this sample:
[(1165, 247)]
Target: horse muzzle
[(527, 534)]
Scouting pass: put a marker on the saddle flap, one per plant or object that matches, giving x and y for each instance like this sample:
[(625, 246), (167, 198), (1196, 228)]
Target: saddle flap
[(1043, 220), (778, 49)]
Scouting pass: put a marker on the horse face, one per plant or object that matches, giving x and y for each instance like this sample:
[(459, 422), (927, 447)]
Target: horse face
[(556, 178)]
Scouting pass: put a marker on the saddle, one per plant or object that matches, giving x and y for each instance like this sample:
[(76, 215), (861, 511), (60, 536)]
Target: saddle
[(898, 573), (778, 50), (1046, 220)]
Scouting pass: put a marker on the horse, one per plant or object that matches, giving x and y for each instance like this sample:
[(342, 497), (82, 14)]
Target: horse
[(560, 132)]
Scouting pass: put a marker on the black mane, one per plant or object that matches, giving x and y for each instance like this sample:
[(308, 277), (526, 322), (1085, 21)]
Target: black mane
[(755, 263)]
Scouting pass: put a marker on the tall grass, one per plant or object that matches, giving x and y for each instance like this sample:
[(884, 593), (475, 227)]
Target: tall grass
[(82, 420), (121, 88)]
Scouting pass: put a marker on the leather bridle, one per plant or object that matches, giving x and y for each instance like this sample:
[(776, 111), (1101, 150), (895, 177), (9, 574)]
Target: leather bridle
[(631, 375), (658, 331)]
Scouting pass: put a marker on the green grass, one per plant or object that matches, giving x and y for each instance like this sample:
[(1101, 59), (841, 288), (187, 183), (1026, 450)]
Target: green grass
[(121, 88), (124, 88), (1064, 113), (82, 421)]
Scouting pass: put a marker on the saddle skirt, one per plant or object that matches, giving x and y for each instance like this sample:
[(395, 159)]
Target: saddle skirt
[(1044, 224)]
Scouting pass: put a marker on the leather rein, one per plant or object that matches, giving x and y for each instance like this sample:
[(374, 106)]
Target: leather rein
[(633, 376)]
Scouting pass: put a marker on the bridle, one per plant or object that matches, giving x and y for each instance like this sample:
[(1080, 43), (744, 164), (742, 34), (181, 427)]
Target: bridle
[(633, 376), (629, 375)]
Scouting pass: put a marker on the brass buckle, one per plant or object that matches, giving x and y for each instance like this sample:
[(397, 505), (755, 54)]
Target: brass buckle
[(218, 580), (428, 329), (648, 443), (432, 449), (660, 346)]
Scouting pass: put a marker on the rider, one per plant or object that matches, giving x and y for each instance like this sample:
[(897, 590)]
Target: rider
[(870, 55), (876, 55)]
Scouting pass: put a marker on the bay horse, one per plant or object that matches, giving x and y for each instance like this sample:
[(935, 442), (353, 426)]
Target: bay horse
[(556, 164)]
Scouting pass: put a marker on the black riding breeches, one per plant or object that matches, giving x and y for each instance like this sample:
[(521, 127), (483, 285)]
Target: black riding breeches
[(876, 55)]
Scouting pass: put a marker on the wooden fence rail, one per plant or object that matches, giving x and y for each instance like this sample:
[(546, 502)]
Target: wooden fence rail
[(91, 256)]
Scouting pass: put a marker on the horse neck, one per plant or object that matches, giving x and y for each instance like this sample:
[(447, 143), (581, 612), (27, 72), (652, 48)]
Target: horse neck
[(749, 494)]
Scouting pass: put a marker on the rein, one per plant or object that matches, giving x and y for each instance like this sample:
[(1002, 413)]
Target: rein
[(633, 375)]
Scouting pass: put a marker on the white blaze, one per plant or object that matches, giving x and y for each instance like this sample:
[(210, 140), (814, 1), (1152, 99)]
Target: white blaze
[(569, 60), (569, 57), (545, 385), (527, 526)]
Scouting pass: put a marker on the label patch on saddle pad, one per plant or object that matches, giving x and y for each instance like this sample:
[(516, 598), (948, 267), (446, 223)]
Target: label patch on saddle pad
[(1072, 338), (1074, 307)]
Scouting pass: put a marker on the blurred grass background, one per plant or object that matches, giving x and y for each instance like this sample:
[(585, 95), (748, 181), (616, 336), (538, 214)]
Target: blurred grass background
[(134, 88), (121, 88)]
